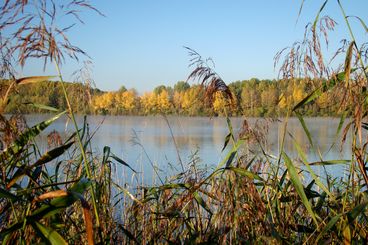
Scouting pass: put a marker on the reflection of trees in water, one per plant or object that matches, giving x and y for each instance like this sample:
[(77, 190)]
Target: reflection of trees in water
[(218, 131), (207, 134), (322, 131)]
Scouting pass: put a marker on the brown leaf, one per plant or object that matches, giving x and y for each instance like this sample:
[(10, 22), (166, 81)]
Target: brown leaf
[(51, 194), (348, 58), (34, 79), (88, 221)]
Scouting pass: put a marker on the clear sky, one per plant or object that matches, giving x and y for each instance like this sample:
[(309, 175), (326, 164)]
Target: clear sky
[(139, 44)]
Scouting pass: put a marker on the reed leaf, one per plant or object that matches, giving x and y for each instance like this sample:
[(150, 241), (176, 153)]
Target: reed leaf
[(201, 202), (329, 226), (361, 22), (113, 156), (33, 79), (108, 154), (87, 220), (347, 66), (300, 10), (51, 195), (29, 134), (230, 134), (326, 86), (7, 195), (129, 234), (329, 162), (51, 155), (231, 154), (338, 130), (43, 107), (318, 14), (355, 212), (58, 204), (227, 139), (305, 128), (47, 157), (245, 173), (298, 186), (50, 235), (20, 173)]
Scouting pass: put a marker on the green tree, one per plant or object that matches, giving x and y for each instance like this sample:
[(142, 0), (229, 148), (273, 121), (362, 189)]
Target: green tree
[(181, 86)]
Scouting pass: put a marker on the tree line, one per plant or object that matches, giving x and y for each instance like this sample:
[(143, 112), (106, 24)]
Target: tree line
[(254, 97)]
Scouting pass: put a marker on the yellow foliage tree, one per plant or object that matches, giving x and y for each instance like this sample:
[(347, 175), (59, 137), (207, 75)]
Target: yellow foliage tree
[(323, 100), (191, 101), (149, 103), (283, 102), (298, 94), (163, 102), (223, 105), (126, 101), (178, 100), (219, 103), (104, 102)]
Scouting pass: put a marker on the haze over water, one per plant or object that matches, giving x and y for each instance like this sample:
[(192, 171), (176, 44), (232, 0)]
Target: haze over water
[(195, 137)]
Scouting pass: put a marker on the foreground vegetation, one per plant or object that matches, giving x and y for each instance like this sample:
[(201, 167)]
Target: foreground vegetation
[(70, 195)]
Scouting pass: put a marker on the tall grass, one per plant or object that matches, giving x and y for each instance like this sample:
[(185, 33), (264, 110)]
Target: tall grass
[(257, 198), (68, 194)]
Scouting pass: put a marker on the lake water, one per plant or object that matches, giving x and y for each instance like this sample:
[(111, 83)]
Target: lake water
[(195, 137)]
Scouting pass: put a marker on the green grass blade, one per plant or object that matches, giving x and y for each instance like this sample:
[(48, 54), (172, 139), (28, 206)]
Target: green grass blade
[(42, 107), (29, 134), (299, 186), (227, 139), (319, 13), (300, 11), (51, 155), (305, 128), (201, 202), (355, 212), (328, 227), (51, 235), (21, 172), (322, 89), (7, 195), (361, 22), (129, 234), (230, 135), (108, 154), (230, 156), (329, 162), (59, 204), (11, 229), (245, 173), (113, 156), (312, 96), (338, 130)]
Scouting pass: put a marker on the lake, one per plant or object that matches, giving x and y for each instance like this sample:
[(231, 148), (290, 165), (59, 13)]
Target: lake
[(142, 141)]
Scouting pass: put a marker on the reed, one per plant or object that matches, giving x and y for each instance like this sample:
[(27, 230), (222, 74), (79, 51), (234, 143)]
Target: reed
[(68, 194)]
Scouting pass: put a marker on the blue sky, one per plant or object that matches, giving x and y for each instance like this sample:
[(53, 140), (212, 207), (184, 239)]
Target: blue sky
[(139, 44)]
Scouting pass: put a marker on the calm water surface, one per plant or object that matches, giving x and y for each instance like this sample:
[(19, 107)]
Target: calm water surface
[(131, 137)]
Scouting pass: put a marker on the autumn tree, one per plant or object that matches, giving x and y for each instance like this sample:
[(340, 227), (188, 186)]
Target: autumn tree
[(181, 86), (104, 103), (126, 101), (191, 103), (224, 105), (149, 103)]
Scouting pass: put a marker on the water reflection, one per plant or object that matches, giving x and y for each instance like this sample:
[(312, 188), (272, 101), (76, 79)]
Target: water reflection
[(122, 133)]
